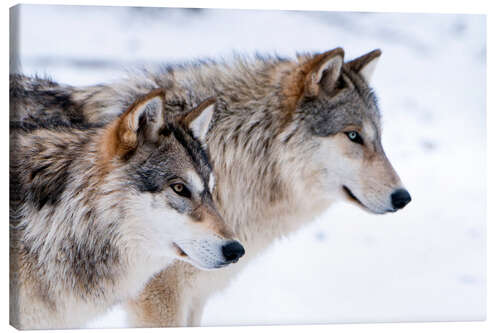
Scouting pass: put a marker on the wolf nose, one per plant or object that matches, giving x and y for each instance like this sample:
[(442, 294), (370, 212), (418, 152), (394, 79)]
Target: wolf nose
[(233, 251), (400, 198)]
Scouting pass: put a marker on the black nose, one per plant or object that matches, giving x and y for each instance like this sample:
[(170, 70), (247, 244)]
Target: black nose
[(233, 251), (400, 198)]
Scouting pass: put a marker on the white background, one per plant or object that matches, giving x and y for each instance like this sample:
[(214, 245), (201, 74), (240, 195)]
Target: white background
[(425, 263)]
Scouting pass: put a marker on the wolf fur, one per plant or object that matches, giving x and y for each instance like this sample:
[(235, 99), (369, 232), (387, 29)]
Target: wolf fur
[(289, 138), (97, 210)]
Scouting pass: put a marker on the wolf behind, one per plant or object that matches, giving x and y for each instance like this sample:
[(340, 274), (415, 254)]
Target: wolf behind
[(96, 211), (290, 136)]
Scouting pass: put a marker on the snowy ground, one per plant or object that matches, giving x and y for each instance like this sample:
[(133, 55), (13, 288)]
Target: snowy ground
[(427, 262)]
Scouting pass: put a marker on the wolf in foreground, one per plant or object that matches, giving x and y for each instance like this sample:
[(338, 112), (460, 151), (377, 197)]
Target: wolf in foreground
[(289, 138), (96, 211)]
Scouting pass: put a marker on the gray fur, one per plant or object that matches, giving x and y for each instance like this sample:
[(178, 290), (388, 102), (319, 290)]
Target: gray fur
[(275, 124)]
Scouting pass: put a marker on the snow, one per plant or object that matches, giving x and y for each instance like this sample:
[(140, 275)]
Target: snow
[(425, 263)]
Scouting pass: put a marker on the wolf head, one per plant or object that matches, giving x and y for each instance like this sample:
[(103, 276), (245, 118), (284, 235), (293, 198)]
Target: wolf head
[(167, 182), (333, 101)]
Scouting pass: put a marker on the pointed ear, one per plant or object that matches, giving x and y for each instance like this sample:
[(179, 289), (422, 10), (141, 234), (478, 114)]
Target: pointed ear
[(365, 65), (323, 72), (144, 118), (198, 120)]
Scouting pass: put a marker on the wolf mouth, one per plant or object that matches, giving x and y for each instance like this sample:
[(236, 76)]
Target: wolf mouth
[(353, 197), (196, 262), (180, 252)]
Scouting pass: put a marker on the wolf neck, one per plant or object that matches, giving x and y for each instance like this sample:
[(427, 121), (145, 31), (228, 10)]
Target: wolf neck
[(262, 188)]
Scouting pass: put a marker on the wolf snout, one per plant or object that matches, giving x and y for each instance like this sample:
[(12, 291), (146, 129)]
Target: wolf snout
[(400, 198), (233, 251)]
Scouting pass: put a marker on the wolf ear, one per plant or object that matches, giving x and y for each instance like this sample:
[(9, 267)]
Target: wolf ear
[(198, 120), (143, 118), (365, 65), (324, 71)]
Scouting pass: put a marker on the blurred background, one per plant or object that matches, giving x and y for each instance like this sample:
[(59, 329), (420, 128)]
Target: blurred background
[(425, 263)]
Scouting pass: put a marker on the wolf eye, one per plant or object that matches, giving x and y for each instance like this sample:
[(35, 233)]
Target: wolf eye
[(354, 137), (181, 190)]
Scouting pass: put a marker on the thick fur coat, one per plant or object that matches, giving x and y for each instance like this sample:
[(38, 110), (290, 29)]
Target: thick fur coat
[(289, 137)]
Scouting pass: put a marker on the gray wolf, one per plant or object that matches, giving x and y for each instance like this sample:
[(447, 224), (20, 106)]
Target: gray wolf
[(97, 210), (290, 136)]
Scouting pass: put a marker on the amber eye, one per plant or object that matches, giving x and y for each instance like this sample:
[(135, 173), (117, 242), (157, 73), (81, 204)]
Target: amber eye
[(181, 190)]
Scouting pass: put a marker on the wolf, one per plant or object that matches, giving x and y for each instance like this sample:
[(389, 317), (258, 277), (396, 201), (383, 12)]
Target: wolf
[(290, 137), (97, 210)]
